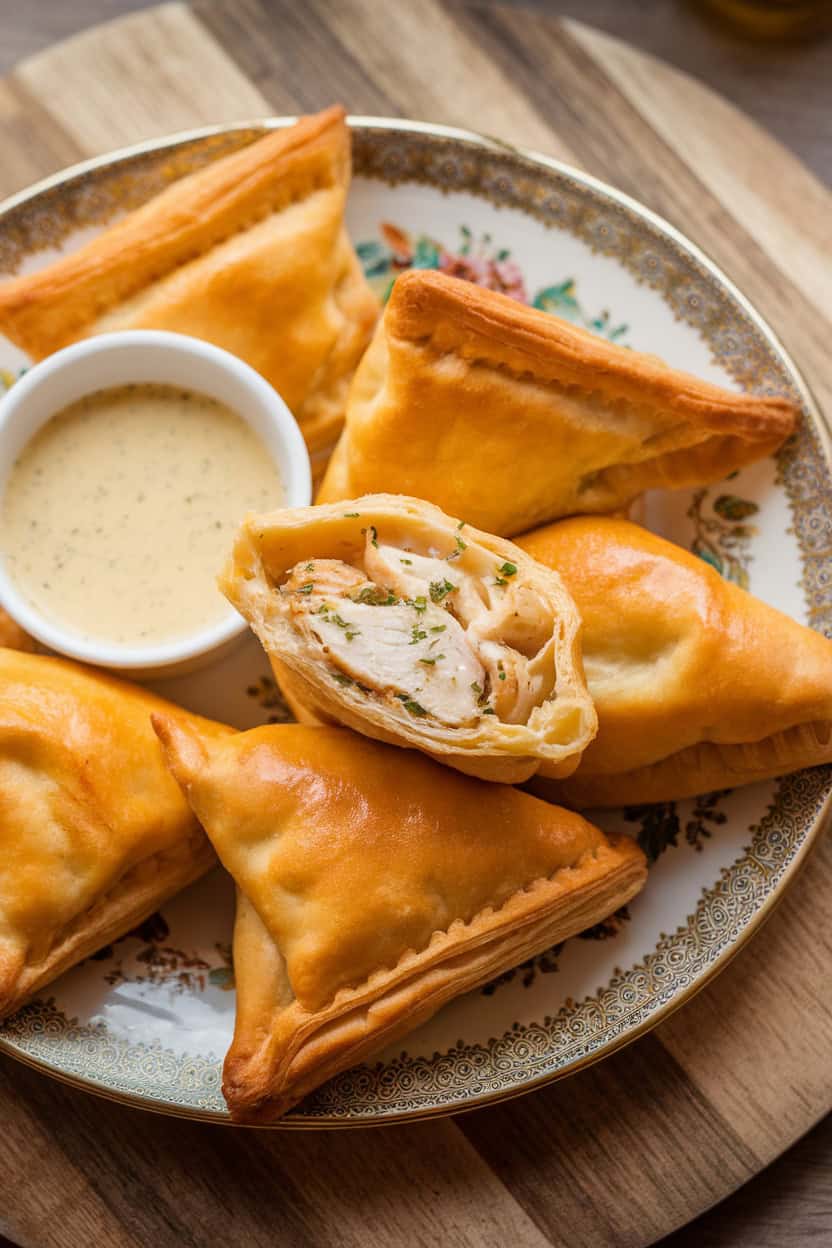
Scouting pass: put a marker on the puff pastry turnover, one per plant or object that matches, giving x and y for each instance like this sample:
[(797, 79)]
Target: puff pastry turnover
[(374, 886), (249, 253), (94, 833), (698, 685), (511, 417), (388, 616)]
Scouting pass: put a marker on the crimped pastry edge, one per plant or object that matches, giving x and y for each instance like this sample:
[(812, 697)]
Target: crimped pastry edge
[(129, 902), (431, 307), (260, 1082), (103, 255), (701, 768)]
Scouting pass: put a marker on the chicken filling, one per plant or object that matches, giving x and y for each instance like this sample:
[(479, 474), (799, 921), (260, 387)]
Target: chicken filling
[(423, 631)]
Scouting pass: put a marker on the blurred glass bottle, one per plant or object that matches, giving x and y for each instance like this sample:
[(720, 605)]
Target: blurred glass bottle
[(775, 19)]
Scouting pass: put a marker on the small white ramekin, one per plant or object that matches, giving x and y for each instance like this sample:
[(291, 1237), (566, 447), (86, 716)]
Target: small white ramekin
[(121, 358)]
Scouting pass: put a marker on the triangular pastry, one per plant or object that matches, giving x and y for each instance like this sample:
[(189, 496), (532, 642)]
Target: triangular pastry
[(373, 887), (510, 417), (698, 685), (94, 833), (386, 615), (249, 253)]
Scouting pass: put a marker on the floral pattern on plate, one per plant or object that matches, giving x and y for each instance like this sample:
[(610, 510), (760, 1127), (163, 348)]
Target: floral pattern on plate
[(477, 260)]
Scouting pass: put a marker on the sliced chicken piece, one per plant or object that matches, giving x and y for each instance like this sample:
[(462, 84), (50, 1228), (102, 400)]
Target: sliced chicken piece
[(437, 580), (409, 574), (321, 576), (517, 684), (414, 651), (517, 619), (515, 651), (501, 619)]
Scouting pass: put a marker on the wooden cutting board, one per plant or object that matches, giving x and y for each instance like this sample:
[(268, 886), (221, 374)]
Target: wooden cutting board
[(624, 1152)]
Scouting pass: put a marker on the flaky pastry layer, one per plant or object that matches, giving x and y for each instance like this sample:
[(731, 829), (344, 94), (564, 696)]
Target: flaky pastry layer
[(697, 684), (128, 903), (267, 1071), (249, 253), (698, 769), (94, 834), (373, 886), (511, 416), (407, 625)]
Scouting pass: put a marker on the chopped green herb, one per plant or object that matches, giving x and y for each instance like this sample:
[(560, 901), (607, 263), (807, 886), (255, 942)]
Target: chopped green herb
[(501, 580), (409, 562), (413, 707), (438, 628), (489, 710), (461, 525), (310, 567), (500, 672), (416, 634), (374, 536), (373, 596), (431, 662), (307, 588), (440, 590), (508, 569), (482, 696), (460, 546), (350, 631), (351, 515), (418, 604), (342, 679)]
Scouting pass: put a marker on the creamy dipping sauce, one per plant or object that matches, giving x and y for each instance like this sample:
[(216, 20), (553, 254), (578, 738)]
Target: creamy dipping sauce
[(117, 515)]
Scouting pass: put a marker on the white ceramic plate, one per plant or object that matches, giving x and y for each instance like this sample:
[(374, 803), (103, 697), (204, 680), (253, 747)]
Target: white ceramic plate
[(149, 1019)]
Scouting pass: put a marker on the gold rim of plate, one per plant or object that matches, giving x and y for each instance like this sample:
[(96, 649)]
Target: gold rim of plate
[(698, 293)]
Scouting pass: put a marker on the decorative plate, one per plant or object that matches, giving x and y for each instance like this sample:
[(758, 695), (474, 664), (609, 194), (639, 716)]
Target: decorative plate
[(148, 1019)]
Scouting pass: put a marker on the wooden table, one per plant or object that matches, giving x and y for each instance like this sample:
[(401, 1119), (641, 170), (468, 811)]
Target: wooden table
[(626, 1151)]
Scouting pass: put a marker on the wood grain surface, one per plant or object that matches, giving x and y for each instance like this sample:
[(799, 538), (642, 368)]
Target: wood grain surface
[(625, 1152)]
